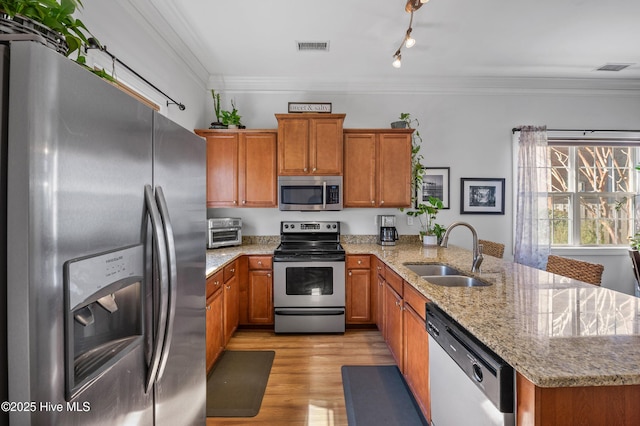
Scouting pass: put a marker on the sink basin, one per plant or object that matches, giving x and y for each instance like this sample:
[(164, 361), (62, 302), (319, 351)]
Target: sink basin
[(431, 269), (455, 281)]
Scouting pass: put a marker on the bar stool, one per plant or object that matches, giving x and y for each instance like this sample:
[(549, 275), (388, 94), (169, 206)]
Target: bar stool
[(492, 248), (577, 269)]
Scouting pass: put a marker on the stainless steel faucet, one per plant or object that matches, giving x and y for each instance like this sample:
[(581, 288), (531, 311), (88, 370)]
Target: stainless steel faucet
[(477, 248)]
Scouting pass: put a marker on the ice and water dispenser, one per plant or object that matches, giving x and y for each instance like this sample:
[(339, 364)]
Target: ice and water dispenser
[(103, 313)]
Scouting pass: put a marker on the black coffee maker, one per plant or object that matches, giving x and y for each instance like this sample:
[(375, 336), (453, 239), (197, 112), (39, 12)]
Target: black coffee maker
[(387, 232)]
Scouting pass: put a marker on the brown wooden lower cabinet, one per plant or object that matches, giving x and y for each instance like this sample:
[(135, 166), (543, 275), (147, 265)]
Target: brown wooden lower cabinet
[(379, 280), (214, 318), (215, 332), (416, 348), (393, 323), (260, 290), (360, 293), (230, 301), (594, 405)]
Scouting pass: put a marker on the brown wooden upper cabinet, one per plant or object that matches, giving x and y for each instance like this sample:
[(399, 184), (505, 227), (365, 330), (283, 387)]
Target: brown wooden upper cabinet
[(310, 144), (377, 167), (241, 167)]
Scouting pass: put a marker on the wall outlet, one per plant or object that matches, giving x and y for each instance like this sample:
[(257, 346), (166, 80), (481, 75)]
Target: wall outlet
[(409, 220)]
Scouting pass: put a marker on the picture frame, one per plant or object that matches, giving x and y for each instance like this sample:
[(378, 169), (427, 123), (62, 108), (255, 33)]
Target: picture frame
[(301, 107), (482, 195), (435, 183)]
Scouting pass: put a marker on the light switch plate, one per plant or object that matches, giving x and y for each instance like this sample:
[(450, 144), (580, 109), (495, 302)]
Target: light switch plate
[(409, 220)]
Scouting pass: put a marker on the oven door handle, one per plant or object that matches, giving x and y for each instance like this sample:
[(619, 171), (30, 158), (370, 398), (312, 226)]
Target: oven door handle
[(309, 312)]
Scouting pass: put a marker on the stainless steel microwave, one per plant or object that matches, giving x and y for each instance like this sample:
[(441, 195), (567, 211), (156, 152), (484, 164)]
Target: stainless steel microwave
[(310, 193)]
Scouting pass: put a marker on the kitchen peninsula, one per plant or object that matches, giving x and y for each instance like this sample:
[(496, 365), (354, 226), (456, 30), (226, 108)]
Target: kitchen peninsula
[(574, 346)]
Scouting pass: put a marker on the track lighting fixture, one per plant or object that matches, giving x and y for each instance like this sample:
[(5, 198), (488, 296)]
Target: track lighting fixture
[(408, 41)]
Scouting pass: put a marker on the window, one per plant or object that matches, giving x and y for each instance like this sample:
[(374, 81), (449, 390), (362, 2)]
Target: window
[(592, 185)]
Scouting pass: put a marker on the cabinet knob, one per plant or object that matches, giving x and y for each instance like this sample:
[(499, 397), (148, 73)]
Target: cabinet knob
[(269, 274), (235, 202), (208, 307), (314, 169), (228, 287), (244, 201), (373, 202), (232, 270), (381, 202), (305, 169), (359, 261), (260, 262), (350, 273), (216, 283)]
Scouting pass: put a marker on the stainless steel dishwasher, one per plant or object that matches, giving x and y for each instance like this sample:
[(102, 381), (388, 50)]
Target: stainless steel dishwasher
[(470, 385)]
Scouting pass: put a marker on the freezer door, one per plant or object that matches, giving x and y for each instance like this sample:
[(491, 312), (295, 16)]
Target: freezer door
[(179, 180), (80, 155)]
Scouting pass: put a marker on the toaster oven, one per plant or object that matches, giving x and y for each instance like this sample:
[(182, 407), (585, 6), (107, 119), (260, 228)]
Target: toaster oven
[(224, 231)]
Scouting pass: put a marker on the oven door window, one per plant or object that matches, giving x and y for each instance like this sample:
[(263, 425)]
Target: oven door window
[(309, 281), (301, 195), (219, 236)]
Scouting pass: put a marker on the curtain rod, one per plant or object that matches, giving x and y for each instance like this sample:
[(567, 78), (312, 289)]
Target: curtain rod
[(517, 129), (94, 44)]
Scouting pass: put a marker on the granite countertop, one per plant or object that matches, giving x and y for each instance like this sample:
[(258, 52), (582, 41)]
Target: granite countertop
[(555, 331)]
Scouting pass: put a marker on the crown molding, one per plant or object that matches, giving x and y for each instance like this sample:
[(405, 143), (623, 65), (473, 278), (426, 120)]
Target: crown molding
[(153, 13), (429, 85)]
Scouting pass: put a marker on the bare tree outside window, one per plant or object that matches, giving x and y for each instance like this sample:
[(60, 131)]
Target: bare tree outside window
[(591, 194)]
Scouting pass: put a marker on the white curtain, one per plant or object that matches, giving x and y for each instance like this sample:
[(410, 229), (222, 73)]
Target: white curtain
[(532, 235)]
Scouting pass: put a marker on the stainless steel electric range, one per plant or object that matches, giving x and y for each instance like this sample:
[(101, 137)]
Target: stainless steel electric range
[(309, 278)]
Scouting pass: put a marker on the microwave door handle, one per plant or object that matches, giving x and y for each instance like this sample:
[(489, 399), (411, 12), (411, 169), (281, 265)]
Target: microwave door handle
[(324, 195)]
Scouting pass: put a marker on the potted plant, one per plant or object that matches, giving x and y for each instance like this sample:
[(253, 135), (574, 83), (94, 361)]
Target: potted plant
[(404, 121), (231, 119), (55, 16), (216, 108), (430, 232)]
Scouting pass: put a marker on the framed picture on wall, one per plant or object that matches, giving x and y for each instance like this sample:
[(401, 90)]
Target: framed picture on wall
[(435, 183), (481, 196)]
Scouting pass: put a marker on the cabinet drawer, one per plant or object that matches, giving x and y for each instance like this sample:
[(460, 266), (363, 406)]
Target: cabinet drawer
[(260, 262), (394, 280), (230, 271), (214, 283), (414, 298), (358, 262)]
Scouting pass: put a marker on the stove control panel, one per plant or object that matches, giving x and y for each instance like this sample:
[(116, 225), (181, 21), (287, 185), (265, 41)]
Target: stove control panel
[(302, 227)]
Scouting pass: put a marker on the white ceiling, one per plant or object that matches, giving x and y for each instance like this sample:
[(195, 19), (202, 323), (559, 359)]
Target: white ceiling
[(250, 40)]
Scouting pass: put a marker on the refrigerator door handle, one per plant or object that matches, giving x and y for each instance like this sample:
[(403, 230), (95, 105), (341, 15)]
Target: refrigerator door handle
[(161, 254), (173, 277)]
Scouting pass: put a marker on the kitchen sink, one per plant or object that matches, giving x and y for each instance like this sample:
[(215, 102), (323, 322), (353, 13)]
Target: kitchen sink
[(455, 281), (431, 269)]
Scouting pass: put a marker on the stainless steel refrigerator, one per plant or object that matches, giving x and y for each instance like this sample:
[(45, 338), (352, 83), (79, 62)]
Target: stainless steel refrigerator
[(104, 220)]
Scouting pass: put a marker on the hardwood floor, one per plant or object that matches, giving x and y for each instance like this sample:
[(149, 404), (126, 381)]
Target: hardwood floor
[(305, 385)]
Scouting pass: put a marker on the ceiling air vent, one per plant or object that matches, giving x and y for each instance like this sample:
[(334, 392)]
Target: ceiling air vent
[(313, 46), (613, 67)]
